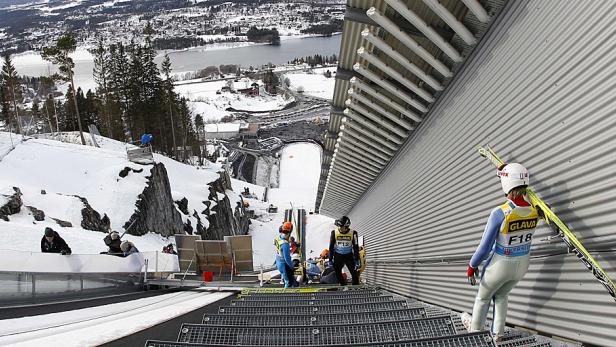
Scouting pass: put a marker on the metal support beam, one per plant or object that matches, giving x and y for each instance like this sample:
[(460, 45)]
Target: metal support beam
[(402, 60), (337, 184), (390, 87), (375, 162), (358, 83), (350, 191), (365, 119), (353, 165), (375, 61), (389, 118), (358, 138), (338, 205), (430, 33), (358, 15), (452, 21), (359, 164), (344, 74), (371, 134), (475, 7), (408, 41), (330, 134), (359, 148), (341, 182)]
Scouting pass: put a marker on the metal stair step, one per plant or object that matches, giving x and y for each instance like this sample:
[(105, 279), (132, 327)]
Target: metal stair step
[(314, 319), (330, 309), (318, 335), (311, 302)]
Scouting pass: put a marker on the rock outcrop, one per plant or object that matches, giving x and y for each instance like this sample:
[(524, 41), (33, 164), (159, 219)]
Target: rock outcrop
[(63, 223), (36, 213), (224, 220), (183, 206), (156, 211), (12, 206), (91, 219)]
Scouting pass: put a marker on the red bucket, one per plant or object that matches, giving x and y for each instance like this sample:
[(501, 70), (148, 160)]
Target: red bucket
[(208, 276)]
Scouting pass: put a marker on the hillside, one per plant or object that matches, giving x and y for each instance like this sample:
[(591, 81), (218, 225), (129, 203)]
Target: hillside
[(68, 172)]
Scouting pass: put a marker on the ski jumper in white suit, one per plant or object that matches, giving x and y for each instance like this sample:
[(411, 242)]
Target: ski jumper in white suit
[(506, 245)]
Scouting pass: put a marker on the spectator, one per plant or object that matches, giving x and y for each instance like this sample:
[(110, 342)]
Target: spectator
[(169, 249), (324, 254), (112, 240), (53, 243), (146, 139), (294, 246), (128, 248)]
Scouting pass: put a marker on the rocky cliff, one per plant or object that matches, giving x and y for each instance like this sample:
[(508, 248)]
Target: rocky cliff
[(224, 219), (156, 211)]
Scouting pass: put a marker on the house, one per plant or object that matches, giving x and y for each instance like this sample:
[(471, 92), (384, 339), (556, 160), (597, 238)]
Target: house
[(252, 91)]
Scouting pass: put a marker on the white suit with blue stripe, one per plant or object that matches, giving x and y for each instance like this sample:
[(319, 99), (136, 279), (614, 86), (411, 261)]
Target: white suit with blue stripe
[(506, 244)]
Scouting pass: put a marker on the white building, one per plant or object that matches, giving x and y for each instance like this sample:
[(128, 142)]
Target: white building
[(222, 130)]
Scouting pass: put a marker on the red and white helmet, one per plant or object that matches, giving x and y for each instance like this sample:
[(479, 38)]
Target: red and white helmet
[(513, 175)]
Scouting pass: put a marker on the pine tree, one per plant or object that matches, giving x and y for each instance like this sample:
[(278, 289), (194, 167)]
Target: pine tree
[(5, 106), (101, 77), (170, 97), (118, 87), (200, 129), (46, 107), (9, 76), (59, 55)]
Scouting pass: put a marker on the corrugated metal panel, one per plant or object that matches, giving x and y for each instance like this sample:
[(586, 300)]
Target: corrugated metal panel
[(540, 89)]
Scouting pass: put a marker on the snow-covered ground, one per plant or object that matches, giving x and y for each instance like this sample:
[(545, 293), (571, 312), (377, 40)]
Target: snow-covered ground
[(314, 83), (94, 326), (212, 106)]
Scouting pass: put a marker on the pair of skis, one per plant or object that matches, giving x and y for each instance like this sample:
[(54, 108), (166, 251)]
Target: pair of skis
[(573, 244)]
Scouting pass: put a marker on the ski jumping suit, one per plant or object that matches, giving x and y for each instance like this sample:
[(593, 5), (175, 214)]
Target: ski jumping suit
[(508, 234), (283, 262), (344, 249)]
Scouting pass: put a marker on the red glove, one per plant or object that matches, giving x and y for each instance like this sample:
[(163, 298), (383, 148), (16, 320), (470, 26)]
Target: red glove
[(470, 274)]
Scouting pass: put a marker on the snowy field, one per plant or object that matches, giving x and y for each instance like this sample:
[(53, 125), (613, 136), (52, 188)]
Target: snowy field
[(314, 83), (94, 326)]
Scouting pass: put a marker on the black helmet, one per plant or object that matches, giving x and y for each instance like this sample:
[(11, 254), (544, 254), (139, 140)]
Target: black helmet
[(343, 222), (49, 232)]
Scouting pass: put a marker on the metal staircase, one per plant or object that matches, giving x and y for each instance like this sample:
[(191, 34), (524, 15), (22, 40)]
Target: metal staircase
[(362, 316)]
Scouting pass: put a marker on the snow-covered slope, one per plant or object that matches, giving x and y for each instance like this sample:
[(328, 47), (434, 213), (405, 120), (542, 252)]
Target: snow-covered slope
[(300, 168), (65, 169)]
